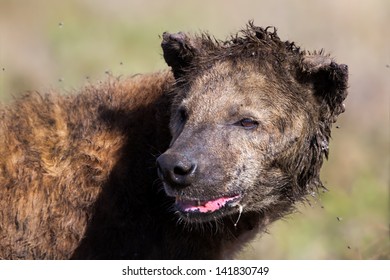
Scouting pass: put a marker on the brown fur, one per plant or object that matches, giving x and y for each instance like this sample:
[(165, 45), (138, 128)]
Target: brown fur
[(249, 117)]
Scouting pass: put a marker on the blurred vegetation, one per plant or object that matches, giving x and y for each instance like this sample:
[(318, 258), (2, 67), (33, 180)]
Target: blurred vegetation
[(48, 45)]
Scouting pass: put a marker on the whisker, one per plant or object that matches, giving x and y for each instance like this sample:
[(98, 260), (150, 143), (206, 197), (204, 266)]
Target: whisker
[(240, 209)]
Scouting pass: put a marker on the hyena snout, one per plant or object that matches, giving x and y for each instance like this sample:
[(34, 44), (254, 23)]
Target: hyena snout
[(176, 169)]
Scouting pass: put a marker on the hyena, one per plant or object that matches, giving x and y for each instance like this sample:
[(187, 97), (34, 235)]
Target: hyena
[(187, 163)]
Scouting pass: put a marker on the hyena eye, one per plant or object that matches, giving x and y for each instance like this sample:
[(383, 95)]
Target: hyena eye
[(183, 115), (248, 123)]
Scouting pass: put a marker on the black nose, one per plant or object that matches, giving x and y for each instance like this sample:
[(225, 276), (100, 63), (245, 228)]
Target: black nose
[(176, 169)]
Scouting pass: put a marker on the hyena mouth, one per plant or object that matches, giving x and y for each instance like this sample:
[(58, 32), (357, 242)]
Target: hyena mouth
[(201, 209)]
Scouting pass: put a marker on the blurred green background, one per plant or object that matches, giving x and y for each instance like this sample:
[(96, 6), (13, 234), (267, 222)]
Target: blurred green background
[(54, 44)]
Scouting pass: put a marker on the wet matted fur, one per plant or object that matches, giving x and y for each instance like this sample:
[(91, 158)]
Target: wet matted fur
[(239, 129)]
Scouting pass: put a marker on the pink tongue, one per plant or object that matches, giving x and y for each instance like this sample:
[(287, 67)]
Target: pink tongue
[(206, 206)]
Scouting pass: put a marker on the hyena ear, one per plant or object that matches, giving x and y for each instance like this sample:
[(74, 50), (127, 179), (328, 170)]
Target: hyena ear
[(329, 80), (179, 51)]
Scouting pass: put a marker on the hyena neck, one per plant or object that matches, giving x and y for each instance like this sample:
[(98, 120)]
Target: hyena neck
[(222, 239)]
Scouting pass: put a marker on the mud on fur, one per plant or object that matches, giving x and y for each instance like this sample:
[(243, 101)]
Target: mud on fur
[(242, 125)]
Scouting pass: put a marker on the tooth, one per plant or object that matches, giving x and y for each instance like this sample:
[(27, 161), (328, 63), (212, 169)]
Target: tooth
[(198, 202)]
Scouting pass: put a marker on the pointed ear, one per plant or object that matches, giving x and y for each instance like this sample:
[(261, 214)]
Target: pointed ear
[(179, 52), (329, 80)]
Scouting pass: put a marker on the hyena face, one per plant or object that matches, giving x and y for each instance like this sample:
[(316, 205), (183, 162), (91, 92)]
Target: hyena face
[(244, 136), (226, 132)]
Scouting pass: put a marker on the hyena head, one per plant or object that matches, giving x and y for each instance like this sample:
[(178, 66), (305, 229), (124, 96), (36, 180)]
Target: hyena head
[(250, 123)]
